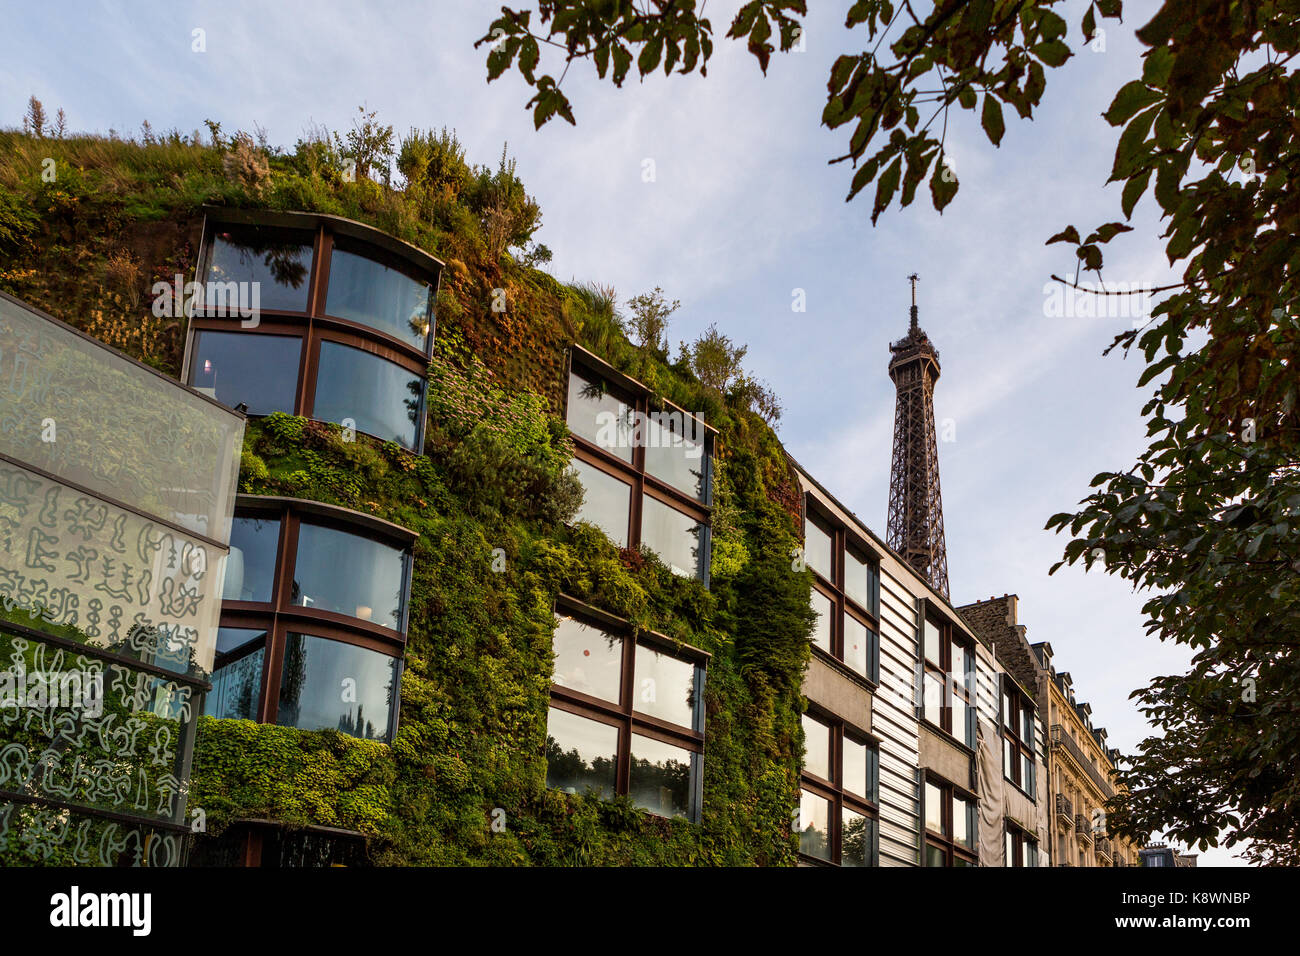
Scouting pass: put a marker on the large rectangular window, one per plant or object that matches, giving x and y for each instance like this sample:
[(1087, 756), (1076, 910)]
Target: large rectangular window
[(1018, 737), (948, 680), (845, 594), (645, 473), (951, 823), (626, 715), (277, 262), (838, 806), (1021, 848), (376, 396), (328, 685)]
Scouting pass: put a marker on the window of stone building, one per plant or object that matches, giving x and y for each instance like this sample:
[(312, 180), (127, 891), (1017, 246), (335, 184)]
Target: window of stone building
[(1021, 848), (646, 473), (840, 796), (845, 593), (626, 715)]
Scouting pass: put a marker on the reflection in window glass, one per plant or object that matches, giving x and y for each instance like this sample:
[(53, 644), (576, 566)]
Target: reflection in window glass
[(856, 838), (817, 550), (934, 798), (237, 677), (260, 371), (671, 455), (349, 574), (814, 826), (665, 686), (377, 295), (817, 747), (960, 823), (587, 659), (250, 569), (825, 608), (933, 640), (328, 685), (858, 584), (599, 417), (580, 754), (857, 645), (660, 778), (381, 397), (960, 728), (857, 768), (934, 856), (933, 703), (606, 502), (674, 536), (277, 260)]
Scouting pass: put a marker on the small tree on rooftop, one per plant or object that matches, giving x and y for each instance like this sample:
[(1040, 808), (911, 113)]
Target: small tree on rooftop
[(649, 320), (369, 145), (716, 359)]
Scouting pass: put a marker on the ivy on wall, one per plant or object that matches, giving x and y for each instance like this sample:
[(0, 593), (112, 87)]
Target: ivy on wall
[(493, 481)]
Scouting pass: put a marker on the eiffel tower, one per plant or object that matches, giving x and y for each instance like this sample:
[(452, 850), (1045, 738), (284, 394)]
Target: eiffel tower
[(915, 528)]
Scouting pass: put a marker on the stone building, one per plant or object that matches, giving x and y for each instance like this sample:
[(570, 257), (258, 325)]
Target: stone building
[(1081, 765)]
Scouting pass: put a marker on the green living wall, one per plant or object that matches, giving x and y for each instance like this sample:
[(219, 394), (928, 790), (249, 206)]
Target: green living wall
[(119, 215)]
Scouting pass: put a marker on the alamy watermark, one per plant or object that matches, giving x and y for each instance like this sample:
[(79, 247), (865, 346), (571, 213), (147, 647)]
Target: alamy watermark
[(53, 690), (181, 299), (627, 428)]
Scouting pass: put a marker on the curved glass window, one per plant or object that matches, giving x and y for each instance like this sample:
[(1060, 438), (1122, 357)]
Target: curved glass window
[(276, 263), (380, 397), (250, 569), (237, 679), (329, 685), (350, 574), (378, 295), (260, 371)]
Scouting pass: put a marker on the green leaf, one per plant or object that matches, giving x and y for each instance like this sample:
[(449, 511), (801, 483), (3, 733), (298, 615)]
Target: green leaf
[(1132, 96), (1089, 24), (1068, 234), (650, 54), (1131, 142), (886, 187), (1053, 52), (1133, 190), (992, 121), (943, 185)]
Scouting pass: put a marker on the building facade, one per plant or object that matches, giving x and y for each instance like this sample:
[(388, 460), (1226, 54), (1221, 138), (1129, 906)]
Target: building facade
[(1081, 765)]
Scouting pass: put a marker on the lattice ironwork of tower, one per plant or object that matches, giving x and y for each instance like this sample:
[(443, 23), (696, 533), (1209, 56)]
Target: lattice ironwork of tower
[(915, 528)]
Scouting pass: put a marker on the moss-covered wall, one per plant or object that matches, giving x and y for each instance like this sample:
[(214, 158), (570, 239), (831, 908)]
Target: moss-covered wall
[(87, 248)]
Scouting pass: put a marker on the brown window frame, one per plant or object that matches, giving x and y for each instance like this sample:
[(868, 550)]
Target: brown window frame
[(833, 789), (952, 850), (280, 617), (942, 671), (314, 326), (624, 715), (844, 542), (1015, 841), (1021, 705), (642, 483)]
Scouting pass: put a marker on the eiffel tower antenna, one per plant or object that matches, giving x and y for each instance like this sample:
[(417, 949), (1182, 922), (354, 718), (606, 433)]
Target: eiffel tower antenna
[(915, 527)]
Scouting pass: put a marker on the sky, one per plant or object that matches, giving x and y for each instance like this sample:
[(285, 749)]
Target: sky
[(742, 212)]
